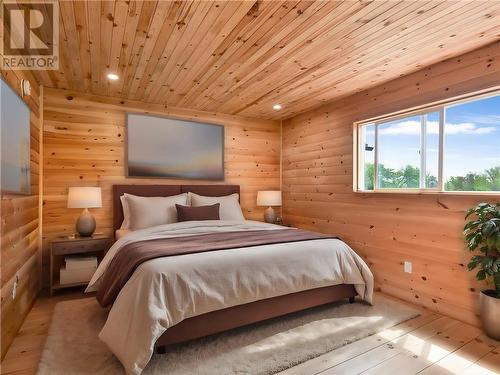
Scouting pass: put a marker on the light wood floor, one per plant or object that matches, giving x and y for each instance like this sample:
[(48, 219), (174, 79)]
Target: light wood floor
[(428, 344)]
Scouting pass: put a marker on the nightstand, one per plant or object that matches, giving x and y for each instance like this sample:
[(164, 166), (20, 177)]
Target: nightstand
[(96, 245)]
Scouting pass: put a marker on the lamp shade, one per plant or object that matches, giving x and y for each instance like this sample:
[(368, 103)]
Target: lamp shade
[(269, 198), (84, 197)]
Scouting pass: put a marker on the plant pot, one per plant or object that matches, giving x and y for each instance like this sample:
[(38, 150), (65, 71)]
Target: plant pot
[(489, 306)]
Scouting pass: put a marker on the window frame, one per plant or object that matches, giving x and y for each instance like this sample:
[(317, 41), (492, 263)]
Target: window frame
[(358, 170)]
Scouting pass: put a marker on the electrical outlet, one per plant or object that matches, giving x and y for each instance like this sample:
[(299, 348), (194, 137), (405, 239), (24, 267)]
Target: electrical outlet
[(14, 287), (407, 266), (14, 290)]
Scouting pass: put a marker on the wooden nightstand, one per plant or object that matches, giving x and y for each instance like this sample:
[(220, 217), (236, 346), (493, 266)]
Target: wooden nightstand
[(96, 245)]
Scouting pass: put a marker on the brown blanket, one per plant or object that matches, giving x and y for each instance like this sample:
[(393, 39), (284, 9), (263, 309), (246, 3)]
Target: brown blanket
[(133, 255)]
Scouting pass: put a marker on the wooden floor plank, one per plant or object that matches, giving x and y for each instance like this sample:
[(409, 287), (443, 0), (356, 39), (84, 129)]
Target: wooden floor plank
[(360, 347), (463, 358), (417, 353), (382, 353), (487, 365)]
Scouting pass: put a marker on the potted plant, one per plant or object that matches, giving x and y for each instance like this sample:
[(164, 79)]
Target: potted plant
[(482, 234)]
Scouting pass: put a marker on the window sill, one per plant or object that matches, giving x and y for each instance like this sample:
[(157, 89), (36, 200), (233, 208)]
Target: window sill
[(427, 192)]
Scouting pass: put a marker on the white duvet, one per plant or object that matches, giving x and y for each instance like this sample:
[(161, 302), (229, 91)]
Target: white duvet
[(164, 291)]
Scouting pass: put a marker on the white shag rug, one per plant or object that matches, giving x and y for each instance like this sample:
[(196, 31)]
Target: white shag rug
[(72, 346)]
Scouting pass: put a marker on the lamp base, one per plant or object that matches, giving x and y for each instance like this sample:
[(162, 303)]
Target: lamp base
[(270, 216), (85, 225)]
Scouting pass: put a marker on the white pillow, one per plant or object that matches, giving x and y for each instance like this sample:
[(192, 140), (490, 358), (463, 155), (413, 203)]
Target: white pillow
[(230, 208), (126, 212), (119, 233), (146, 212)]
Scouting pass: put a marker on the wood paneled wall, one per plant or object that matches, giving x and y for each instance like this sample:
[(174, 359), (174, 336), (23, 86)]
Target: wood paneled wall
[(387, 229), (84, 138), (20, 250)]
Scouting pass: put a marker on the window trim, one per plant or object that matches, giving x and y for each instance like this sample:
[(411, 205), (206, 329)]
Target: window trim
[(423, 150), (438, 106)]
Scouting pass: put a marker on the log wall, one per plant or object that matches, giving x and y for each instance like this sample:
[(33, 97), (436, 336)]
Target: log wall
[(387, 229), (20, 241)]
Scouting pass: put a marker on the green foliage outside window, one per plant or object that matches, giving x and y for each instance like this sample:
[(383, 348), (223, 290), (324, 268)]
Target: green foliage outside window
[(409, 178), (403, 178), (486, 181)]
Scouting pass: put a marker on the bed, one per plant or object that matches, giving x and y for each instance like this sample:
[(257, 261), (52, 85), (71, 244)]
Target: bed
[(192, 295)]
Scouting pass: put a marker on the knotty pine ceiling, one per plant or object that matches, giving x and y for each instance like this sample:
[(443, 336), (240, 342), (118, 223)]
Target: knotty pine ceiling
[(241, 57)]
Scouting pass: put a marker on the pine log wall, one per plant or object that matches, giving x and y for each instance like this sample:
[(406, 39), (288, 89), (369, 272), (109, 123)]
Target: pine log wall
[(20, 250), (387, 229), (84, 137)]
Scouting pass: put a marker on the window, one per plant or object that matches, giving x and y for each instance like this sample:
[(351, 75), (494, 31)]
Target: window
[(452, 147)]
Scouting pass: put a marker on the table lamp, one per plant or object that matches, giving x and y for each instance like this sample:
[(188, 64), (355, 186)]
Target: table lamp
[(269, 198), (84, 197)]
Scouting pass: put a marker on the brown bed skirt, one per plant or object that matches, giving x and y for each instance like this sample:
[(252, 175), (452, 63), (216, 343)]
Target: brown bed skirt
[(241, 315)]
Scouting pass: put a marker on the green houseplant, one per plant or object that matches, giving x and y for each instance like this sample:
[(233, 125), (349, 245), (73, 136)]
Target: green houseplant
[(482, 235)]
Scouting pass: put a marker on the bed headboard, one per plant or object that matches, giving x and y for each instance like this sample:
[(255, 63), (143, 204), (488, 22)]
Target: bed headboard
[(164, 191)]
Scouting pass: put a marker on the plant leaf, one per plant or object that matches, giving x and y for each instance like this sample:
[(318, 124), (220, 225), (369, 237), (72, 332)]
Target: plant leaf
[(481, 275), (471, 265)]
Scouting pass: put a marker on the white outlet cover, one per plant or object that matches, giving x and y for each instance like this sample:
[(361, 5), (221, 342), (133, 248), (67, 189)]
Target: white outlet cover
[(14, 290), (407, 266), (25, 87)]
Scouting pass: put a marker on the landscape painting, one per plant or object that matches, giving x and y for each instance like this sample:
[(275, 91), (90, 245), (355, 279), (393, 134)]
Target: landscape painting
[(15, 142), (167, 148)]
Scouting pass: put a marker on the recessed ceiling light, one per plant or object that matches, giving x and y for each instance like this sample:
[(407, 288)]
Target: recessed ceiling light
[(277, 107), (112, 76)]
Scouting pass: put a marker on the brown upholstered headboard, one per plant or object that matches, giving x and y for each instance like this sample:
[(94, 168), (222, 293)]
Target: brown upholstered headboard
[(164, 191)]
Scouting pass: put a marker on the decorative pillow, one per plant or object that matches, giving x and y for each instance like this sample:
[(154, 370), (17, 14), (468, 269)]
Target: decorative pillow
[(188, 213), (229, 205), (146, 212)]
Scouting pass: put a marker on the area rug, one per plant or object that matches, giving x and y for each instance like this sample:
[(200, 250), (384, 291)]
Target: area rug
[(72, 346)]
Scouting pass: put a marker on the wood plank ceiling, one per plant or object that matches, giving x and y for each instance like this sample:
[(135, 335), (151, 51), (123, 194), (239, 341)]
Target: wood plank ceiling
[(241, 57)]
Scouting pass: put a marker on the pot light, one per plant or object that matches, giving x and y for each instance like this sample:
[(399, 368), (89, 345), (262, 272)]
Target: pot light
[(112, 76), (277, 107)]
